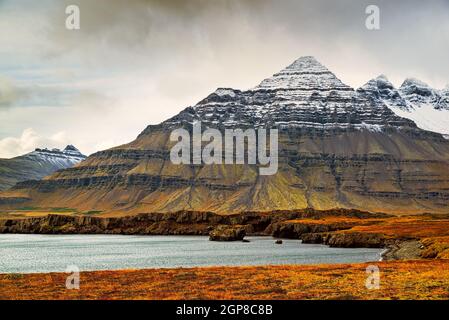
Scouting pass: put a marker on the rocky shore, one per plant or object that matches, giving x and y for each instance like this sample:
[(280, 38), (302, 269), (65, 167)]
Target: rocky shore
[(403, 238)]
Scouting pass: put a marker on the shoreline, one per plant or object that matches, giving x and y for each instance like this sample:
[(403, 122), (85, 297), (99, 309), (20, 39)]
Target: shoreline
[(400, 237)]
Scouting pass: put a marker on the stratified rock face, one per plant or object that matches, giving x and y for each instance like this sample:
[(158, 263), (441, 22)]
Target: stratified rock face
[(337, 148), (303, 95), (37, 164), (415, 100)]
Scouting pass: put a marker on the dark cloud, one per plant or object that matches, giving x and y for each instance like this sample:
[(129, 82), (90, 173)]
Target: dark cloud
[(136, 62), (414, 35)]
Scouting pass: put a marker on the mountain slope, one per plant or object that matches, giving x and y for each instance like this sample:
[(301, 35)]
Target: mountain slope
[(337, 148), (37, 164), (414, 100)]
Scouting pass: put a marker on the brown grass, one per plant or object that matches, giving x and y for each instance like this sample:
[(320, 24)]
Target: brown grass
[(399, 280), (407, 227), (418, 227)]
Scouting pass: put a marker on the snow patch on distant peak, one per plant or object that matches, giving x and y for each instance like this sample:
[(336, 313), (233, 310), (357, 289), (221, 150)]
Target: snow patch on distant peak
[(416, 89), (414, 100), (414, 82), (70, 154), (383, 91), (70, 148), (55, 159)]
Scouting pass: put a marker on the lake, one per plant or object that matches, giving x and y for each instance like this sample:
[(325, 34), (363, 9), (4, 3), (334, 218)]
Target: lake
[(54, 253)]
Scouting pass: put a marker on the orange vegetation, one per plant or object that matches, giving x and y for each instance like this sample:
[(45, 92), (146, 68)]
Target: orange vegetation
[(417, 227), (437, 247), (420, 279), (336, 219), (407, 227)]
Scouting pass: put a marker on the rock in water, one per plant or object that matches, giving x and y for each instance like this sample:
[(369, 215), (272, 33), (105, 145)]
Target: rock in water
[(227, 233)]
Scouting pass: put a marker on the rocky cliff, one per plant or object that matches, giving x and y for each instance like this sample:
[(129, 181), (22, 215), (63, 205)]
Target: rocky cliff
[(174, 223)]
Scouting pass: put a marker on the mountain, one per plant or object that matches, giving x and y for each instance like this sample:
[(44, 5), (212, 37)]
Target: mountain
[(37, 164), (338, 147), (414, 100)]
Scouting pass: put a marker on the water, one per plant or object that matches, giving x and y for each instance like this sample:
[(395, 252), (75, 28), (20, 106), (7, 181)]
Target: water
[(54, 253)]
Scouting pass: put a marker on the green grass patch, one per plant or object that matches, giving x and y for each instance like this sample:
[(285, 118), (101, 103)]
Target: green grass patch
[(93, 212), (57, 209), (28, 208)]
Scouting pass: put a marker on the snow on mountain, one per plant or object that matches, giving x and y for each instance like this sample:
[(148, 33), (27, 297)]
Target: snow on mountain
[(305, 94), (338, 148), (414, 100), (382, 90), (57, 158), (37, 164), (306, 73)]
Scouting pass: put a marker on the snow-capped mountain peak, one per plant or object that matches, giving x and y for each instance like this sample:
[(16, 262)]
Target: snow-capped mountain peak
[(305, 73), (59, 158), (71, 151), (71, 148), (381, 90), (38, 164), (306, 64), (415, 100), (417, 91), (305, 94)]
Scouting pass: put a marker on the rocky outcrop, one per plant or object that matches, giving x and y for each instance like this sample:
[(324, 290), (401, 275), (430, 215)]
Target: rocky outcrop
[(346, 240), (404, 250), (227, 233), (296, 230), (179, 223)]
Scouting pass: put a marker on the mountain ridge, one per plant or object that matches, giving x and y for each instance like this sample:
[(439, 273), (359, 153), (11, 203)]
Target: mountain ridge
[(414, 100), (37, 164), (338, 148)]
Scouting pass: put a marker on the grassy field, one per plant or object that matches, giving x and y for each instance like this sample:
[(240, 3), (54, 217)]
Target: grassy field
[(34, 212), (420, 279)]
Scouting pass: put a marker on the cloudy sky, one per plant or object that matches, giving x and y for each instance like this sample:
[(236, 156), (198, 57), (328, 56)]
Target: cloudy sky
[(137, 62)]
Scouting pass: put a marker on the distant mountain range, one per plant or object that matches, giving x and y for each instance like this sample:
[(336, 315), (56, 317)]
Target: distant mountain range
[(37, 164), (415, 100), (338, 148)]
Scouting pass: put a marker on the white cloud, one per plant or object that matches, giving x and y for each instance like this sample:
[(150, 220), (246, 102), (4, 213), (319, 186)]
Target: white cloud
[(30, 140)]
